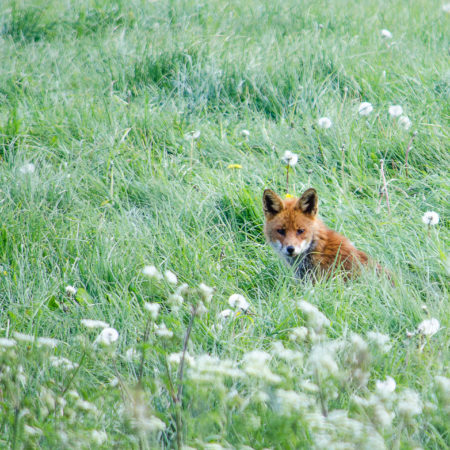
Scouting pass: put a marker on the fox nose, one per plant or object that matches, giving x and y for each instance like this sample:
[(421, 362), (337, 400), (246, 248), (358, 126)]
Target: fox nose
[(290, 249)]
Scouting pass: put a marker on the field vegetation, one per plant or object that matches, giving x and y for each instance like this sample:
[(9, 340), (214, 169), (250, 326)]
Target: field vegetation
[(140, 305)]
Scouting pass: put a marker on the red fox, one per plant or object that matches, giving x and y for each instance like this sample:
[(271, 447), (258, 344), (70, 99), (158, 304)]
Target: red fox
[(304, 241)]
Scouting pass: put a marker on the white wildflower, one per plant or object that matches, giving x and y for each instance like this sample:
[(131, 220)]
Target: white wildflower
[(292, 402), (27, 168), (182, 289), (70, 290), (386, 34), (381, 416), (64, 363), (315, 319), (206, 292), (443, 385), (210, 369), (47, 342), (322, 361), (255, 364), (21, 337), (32, 431), (289, 158), (85, 405), (298, 334), (175, 358), (429, 327), (430, 218), (225, 314), (385, 388), (365, 108), (192, 135), (152, 272), (324, 122), (73, 394), (245, 133), (91, 323), (176, 300), (409, 403), (107, 337), (6, 342), (287, 354), (99, 437), (163, 331), (170, 277), (404, 122), (380, 340), (238, 301), (131, 354), (395, 110), (201, 309), (153, 309), (309, 386)]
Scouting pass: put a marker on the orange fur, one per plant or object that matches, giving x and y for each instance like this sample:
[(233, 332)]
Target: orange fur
[(303, 240)]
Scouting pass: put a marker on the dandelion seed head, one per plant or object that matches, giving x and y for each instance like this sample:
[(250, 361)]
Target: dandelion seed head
[(175, 300), (395, 110), (192, 135), (70, 290), (153, 309), (289, 159), (175, 358), (430, 218), (298, 334), (365, 108), (152, 272), (324, 122), (107, 336), (429, 327), (206, 292), (238, 301), (90, 323), (385, 388), (409, 404), (27, 169), (99, 437), (245, 133), (225, 314), (386, 34), (170, 277), (404, 122), (380, 340), (315, 319), (85, 405), (162, 331)]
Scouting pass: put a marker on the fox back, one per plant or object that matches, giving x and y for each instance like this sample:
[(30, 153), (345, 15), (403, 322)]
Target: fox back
[(295, 232)]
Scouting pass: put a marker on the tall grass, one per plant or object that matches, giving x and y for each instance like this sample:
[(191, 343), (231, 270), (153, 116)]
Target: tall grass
[(99, 97)]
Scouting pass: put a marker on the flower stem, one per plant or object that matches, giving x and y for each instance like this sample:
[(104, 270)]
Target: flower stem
[(287, 179), (385, 185), (408, 150)]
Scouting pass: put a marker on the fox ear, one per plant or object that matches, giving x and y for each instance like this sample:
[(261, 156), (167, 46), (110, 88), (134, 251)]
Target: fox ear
[(308, 202), (272, 203)]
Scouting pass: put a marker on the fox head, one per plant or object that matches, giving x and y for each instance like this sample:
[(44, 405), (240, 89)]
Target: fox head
[(290, 224)]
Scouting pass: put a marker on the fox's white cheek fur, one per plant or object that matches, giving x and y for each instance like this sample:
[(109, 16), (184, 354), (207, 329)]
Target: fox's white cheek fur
[(277, 246), (298, 249)]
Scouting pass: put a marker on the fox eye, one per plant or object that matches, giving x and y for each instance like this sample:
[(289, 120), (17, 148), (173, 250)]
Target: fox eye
[(300, 231), (282, 231)]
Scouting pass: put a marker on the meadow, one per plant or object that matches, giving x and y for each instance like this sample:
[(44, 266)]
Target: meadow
[(140, 305)]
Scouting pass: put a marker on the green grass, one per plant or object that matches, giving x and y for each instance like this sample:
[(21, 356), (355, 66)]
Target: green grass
[(99, 96)]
